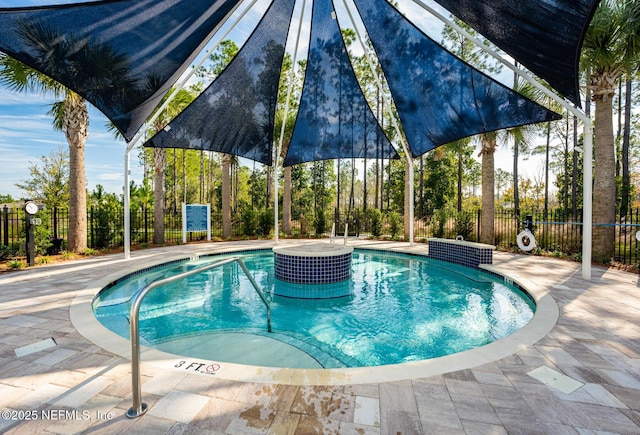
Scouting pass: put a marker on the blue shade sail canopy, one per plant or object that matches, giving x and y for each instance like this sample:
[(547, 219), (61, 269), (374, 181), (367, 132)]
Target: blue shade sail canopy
[(543, 35), (120, 55), (439, 98), (334, 120), (236, 113)]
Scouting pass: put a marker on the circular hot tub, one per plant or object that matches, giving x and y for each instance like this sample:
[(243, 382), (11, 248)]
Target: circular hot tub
[(319, 263)]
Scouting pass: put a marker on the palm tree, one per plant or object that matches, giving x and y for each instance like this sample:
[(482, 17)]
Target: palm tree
[(159, 160), (69, 116), (611, 48), (93, 69), (488, 149)]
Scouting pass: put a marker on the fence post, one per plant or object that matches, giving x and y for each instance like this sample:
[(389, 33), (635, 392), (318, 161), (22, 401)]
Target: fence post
[(92, 230), (634, 252), (5, 225), (146, 224)]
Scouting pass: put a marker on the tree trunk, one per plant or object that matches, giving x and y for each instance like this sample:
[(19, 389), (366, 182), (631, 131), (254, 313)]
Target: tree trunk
[(516, 192), (574, 172), (626, 138), (351, 205), (175, 182), (546, 172), (604, 189), (377, 187), (364, 187), (336, 217), (460, 175), (201, 176), (184, 176), (159, 155), (421, 189), (407, 198), (389, 185), (75, 127), (487, 230), (226, 195), (565, 165), (286, 202)]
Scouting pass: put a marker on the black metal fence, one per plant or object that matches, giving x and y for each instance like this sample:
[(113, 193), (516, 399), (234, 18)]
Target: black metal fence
[(556, 232)]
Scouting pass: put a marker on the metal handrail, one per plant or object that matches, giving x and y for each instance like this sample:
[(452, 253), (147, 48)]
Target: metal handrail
[(138, 408)]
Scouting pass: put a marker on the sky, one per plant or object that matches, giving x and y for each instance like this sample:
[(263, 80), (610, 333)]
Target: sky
[(26, 132)]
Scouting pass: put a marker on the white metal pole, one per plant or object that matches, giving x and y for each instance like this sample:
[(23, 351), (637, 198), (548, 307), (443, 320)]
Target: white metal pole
[(127, 207), (275, 200), (411, 197), (143, 129), (405, 146), (276, 171), (587, 201)]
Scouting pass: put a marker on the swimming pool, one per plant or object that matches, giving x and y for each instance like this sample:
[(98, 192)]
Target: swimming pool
[(400, 308)]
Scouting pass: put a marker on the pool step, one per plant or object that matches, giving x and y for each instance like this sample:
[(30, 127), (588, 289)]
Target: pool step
[(253, 348)]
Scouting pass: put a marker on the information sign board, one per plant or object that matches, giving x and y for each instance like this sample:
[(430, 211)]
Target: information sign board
[(196, 217)]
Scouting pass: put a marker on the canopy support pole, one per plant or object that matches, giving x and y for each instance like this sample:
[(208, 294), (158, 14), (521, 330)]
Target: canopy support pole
[(587, 217), (587, 202), (276, 170), (403, 142), (411, 195), (142, 131), (127, 206)]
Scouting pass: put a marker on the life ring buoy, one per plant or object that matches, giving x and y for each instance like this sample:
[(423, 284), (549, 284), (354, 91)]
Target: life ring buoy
[(459, 238), (526, 240)]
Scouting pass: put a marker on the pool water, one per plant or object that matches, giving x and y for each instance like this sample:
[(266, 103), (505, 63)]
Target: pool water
[(401, 308)]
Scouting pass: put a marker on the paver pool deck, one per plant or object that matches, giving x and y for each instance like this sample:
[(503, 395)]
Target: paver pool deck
[(580, 377)]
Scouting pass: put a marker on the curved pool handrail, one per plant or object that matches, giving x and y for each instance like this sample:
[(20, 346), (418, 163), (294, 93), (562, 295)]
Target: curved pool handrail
[(138, 408)]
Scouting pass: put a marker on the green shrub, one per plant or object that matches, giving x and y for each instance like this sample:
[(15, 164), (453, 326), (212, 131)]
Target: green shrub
[(464, 224), (249, 222), (103, 234), (43, 260), (6, 252), (395, 224), (16, 264), (304, 226), (440, 216), (265, 222), (42, 235), (375, 221), (320, 223)]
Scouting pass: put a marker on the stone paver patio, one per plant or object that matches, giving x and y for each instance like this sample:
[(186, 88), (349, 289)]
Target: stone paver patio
[(70, 384)]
